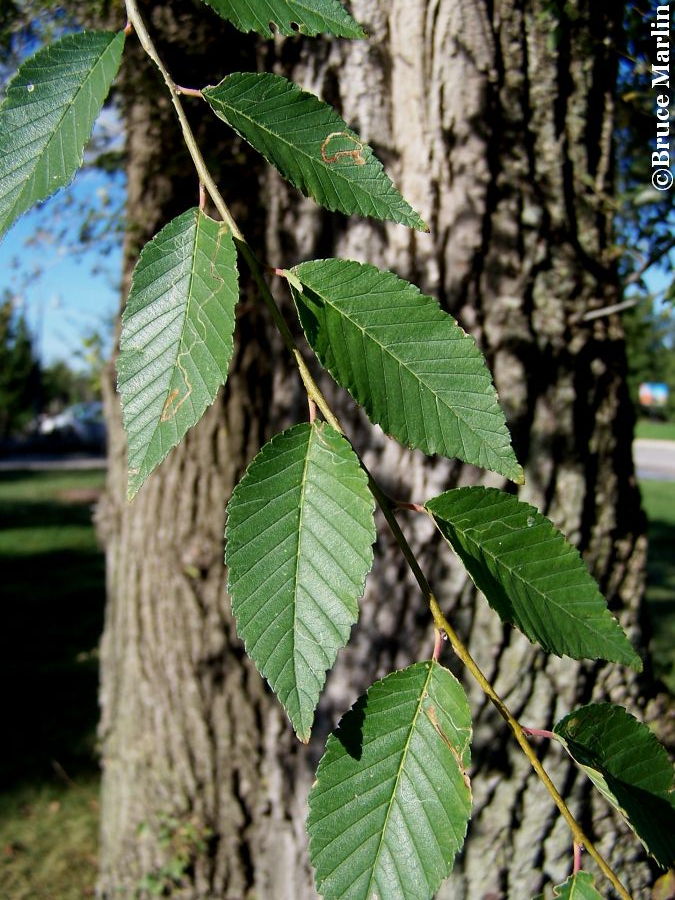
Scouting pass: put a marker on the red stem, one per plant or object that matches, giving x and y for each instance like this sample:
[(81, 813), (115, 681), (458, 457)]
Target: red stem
[(438, 644), (539, 732), (415, 507), (576, 865), (189, 92)]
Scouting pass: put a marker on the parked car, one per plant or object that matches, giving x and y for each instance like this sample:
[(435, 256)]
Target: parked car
[(81, 423)]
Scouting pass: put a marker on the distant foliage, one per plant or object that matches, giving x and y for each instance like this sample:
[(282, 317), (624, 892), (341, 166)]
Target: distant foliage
[(19, 371)]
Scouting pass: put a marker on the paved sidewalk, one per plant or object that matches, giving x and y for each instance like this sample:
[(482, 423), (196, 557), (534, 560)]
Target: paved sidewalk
[(655, 459), (51, 463)]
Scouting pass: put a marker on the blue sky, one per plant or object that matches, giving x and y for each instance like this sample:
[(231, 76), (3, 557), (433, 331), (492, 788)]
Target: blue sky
[(64, 290)]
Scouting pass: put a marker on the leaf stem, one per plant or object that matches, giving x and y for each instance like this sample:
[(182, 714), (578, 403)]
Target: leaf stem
[(415, 507), (539, 732), (438, 644), (576, 864), (189, 92), (316, 397)]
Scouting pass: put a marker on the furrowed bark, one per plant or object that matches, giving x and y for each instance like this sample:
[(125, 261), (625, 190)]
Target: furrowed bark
[(495, 120)]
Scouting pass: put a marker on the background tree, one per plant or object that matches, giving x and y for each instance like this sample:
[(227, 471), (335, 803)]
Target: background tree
[(650, 334), (496, 119), (19, 370)]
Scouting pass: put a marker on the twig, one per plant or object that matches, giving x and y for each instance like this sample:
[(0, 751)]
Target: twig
[(651, 261), (608, 310), (314, 395)]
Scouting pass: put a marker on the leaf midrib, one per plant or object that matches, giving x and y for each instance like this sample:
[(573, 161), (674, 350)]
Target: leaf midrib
[(528, 584), (9, 218), (303, 487), (404, 756), (193, 265), (403, 365), (335, 173)]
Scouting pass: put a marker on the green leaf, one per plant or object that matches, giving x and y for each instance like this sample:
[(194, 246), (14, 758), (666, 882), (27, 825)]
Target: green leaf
[(409, 364), (299, 546), (48, 114), (309, 16), (577, 887), (310, 145), (176, 341), (530, 574), (389, 809), (627, 764)]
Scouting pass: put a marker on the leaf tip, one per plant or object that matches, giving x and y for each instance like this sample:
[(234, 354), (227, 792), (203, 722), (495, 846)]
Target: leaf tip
[(418, 223), (134, 484), (636, 663)]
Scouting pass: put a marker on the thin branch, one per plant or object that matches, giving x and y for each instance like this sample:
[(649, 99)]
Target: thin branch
[(315, 395), (608, 310), (651, 261)]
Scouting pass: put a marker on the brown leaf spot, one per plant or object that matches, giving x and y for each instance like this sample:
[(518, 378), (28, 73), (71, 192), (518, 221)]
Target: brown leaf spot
[(337, 139)]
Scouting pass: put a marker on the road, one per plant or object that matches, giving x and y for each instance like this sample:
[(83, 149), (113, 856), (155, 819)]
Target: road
[(654, 460), (51, 463)]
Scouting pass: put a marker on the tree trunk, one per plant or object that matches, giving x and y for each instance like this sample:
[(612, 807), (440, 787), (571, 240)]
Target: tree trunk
[(495, 119)]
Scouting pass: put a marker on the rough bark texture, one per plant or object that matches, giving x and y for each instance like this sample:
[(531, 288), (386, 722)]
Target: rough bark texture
[(495, 119)]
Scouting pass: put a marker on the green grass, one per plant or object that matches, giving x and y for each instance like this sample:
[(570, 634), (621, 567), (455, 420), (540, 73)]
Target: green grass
[(53, 594), (660, 431), (658, 498), (52, 617), (49, 841)]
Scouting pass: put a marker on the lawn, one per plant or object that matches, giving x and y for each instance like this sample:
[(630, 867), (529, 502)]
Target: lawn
[(654, 430), (658, 498), (53, 591)]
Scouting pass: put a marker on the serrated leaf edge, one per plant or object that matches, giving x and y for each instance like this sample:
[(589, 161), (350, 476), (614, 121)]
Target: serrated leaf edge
[(419, 225), (269, 33), (305, 734), (11, 219), (431, 665), (294, 277), (399, 771), (200, 218), (637, 665)]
